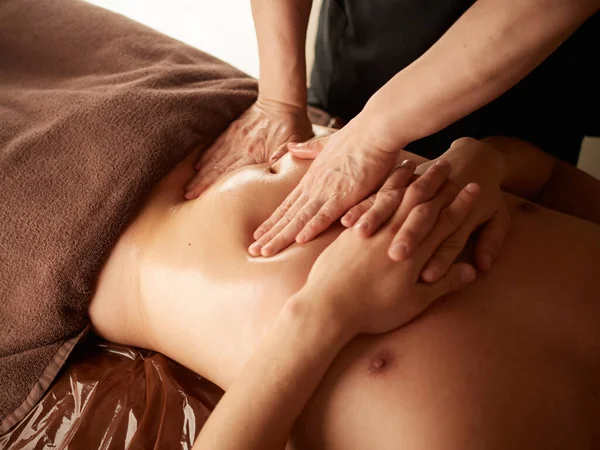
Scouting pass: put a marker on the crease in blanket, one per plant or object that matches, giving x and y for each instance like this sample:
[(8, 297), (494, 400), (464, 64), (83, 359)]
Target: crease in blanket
[(44, 381), (95, 110)]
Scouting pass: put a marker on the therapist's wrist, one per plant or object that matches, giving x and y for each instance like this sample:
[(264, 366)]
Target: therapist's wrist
[(278, 107), (288, 87), (382, 127)]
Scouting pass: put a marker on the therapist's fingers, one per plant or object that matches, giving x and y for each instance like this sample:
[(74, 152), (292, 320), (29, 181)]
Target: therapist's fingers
[(387, 199), (211, 170), (491, 238), (487, 248), (286, 235), (420, 221), (356, 212), (420, 191), (389, 195), (279, 220), (211, 164), (459, 275), (450, 234), (278, 153), (284, 214), (309, 149)]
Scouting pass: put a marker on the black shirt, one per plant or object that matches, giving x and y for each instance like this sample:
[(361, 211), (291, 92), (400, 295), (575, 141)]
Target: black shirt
[(361, 44)]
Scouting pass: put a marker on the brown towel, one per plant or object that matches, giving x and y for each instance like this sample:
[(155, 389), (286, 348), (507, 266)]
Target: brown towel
[(94, 110)]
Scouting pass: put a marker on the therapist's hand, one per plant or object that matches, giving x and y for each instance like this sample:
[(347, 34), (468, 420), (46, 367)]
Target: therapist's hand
[(344, 172), (259, 135), (357, 285), (490, 219)]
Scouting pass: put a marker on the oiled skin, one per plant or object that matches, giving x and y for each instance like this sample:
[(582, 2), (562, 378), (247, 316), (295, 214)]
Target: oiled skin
[(513, 361)]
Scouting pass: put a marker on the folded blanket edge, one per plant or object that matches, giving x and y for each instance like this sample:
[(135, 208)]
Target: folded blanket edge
[(44, 382)]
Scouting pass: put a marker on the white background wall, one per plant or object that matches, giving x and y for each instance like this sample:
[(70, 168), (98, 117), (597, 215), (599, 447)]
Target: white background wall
[(224, 28)]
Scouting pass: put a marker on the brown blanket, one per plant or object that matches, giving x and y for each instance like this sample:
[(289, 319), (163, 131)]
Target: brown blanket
[(94, 110)]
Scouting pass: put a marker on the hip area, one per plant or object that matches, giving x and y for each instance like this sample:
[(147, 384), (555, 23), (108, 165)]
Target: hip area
[(513, 361)]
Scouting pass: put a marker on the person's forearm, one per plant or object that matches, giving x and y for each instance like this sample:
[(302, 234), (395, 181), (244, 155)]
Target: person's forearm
[(471, 162), (532, 174), (519, 167), (260, 408), (487, 51), (281, 35), (572, 191)]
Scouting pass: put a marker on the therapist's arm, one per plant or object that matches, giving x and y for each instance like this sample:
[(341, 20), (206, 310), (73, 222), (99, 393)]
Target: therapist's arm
[(281, 35), (489, 49)]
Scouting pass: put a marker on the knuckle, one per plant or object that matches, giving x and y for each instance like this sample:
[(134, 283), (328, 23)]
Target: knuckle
[(419, 188), (303, 217), (287, 204), (463, 141), (325, 215), (219, 168), (449, 218), (368, 203), (287, 218), (407, 236), (423, 210), (450, 245), (391, 195), (373, 215)]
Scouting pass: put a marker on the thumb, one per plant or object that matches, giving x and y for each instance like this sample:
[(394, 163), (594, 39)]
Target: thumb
[(309, 149), (458, 276)]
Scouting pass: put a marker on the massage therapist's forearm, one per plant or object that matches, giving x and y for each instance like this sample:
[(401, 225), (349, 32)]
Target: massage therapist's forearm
[(281, 35), (260, 408), (487, 51)]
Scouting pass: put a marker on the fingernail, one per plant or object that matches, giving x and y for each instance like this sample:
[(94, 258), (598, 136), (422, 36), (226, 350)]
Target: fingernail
[(398, 251), (442, 163), (405, 163), (254, 249), (297, 144), (258, 233), (432, 273), (467, 274), (347, 218), (363, 227), (486, 262), (472, 188), (267, 250), (301, 238)]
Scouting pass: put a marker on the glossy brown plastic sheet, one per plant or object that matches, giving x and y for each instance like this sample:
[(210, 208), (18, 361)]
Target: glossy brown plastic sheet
[(112, 396)]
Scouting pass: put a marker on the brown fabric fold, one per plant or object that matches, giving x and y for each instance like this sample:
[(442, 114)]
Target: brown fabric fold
[(94, 110)]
